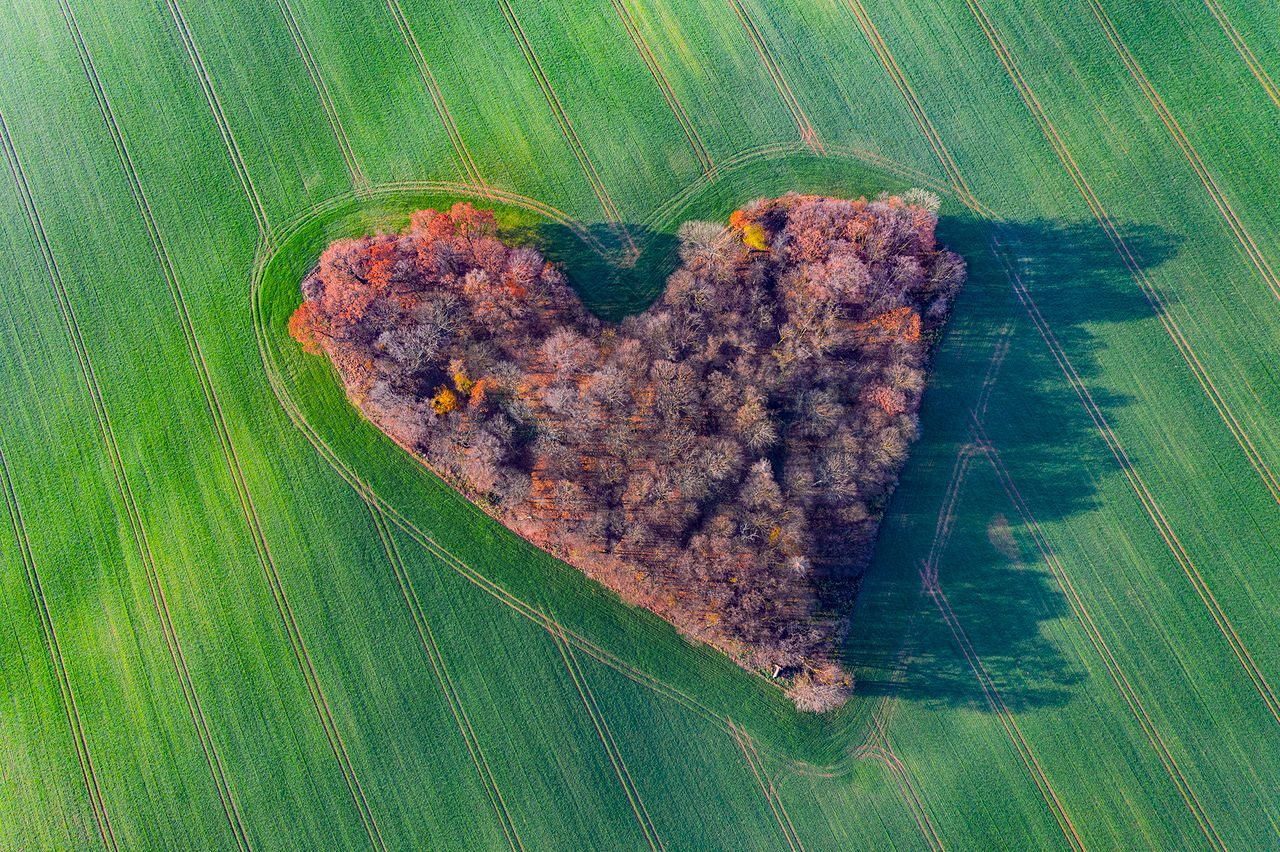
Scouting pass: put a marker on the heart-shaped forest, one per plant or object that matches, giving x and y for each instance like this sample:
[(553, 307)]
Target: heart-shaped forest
[(722, 459)]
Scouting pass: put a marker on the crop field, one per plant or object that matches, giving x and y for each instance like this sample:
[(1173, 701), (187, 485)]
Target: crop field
[(233, 615)]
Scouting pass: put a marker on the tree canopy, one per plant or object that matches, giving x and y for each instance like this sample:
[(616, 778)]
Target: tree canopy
[(722, 458)]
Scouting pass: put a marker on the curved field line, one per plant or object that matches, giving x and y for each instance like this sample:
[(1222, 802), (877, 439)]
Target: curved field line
[(89, 374), (87, 772), (224, 436), (611, 749), (326, 99), (651, 62), (767, 788), (992, 694), (882, 752), (807, 134), (215, 106), (1099, 643), (436, 659), (1237, 41), (566, 127), (661, 217), (1184, 348), (465, 164), (1237, 227)]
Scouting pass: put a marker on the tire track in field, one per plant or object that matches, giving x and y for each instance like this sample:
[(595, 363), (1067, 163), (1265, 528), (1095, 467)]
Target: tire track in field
[(992, 693), (224, 437), (89, 373), (1127, 256), (1139, 487), (66, 693), (1237, 41), (807, 134), (326, 98), (940, 151), (642, 47), (1229, 216), (465, 164), (611, 749), (883, 753), (566, 128), (443, 677), (1091, 630), (766, 787), (224, 127)]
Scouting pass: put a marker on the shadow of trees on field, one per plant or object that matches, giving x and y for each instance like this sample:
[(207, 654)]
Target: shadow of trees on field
[(997, 592)]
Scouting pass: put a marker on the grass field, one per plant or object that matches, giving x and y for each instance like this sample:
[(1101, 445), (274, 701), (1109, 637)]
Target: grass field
[(233, 615)]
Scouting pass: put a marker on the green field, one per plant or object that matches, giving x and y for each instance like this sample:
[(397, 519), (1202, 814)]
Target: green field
[(233, 615)]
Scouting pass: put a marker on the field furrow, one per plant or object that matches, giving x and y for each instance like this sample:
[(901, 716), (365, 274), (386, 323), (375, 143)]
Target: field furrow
[(566, 126), (442, 678), (1242, 235), (1242, 48), (807, 134), (465, 164), (1090, 628), (642, 47)]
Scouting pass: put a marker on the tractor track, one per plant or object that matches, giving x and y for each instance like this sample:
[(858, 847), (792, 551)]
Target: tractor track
[(326, 98), (224, 127), (465, 164), (90, 776), (566, 128), (664, 85), (807, 134), (561, 640), (447, 687)]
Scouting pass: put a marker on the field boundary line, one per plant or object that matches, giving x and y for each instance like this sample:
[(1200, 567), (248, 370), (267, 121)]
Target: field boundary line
[(66, 693), (1094, 634), (224, 127), (807, 134), (929, 576), (1237, 41), (1189, 152), (611, 749), (566, 128), (326, 97), (224, 437), (447, 687), (659, 77), (89, 373), (465, 164), (766, 787)]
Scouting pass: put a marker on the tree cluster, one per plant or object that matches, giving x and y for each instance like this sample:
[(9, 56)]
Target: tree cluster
[(722, 458)]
